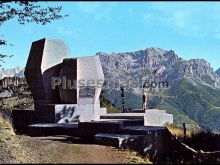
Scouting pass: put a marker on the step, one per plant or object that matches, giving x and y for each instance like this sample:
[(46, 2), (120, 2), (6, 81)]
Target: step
[(130, 142), (136, 111), (123, 116), (48, 129), (107, 126), (149, 140), (133, 122), (126, 122), (22, 118), (91, 128), (142, 130)]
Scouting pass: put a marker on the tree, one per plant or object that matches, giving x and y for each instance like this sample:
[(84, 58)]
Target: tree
[(26, 12)]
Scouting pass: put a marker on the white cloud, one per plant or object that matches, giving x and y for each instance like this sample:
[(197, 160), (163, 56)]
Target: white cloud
[(98, 10), (180, 19), (186, 18), (103, 15), (89, 7), (64, 31)]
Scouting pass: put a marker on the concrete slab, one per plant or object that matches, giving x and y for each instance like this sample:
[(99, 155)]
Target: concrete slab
[(141, 130), (152, 141), (123, 116), (152, 117), (118, 140), (53, 125), (48, 129), (22, 118), (157, 117)]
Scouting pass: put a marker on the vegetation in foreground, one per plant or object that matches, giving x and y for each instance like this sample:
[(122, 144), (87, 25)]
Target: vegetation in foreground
[(205, 146), (204, 142), (197, 139), (11, 151)]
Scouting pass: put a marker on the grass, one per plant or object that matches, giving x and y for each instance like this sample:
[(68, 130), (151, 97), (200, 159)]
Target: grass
[(178, 131), (198, 140), (205, 141), (107, 104), (6, 130), (11, 150), (205, 144), (134, 157)]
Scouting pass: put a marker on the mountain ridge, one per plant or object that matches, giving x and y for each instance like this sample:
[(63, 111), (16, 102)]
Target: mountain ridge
[(151, 60), (159, 64), (194, 87)]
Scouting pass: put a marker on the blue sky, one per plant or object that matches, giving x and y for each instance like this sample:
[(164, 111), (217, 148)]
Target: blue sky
[(191, 29)]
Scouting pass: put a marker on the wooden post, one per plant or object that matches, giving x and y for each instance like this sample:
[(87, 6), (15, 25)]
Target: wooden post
[(184, 129), (122, 100)]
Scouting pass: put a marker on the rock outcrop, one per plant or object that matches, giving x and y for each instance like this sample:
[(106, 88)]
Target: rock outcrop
[(155, 64)]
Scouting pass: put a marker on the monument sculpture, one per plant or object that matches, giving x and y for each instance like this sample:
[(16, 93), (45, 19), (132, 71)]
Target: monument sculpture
[(48, 72)]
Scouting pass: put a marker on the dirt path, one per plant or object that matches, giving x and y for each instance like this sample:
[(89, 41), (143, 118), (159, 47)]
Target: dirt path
[(65, 150), (25, 149)]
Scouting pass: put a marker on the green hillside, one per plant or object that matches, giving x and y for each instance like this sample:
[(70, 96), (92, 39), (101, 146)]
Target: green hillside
[(189, 100), (199, 101)]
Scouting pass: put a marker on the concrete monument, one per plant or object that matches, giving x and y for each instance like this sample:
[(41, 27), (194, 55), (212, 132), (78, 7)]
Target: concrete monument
[(68, 86)]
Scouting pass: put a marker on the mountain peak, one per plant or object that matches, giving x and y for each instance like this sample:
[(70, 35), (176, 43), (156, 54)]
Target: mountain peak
[(155, 50), (218, 71), (165, 65), (17, 71)]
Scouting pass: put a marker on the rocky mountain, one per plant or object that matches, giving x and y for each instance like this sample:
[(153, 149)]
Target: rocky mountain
[(218, 72), (17, 71), (155, 64), (194, 87)]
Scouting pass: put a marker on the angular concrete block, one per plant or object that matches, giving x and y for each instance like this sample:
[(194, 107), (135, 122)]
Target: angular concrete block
[(68, 88), (44, 62), (90, 75), (121, 141), (77, 100), (154, 117)]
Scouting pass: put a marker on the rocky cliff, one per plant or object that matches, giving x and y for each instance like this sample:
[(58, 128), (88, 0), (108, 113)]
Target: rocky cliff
[(155, 64)]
